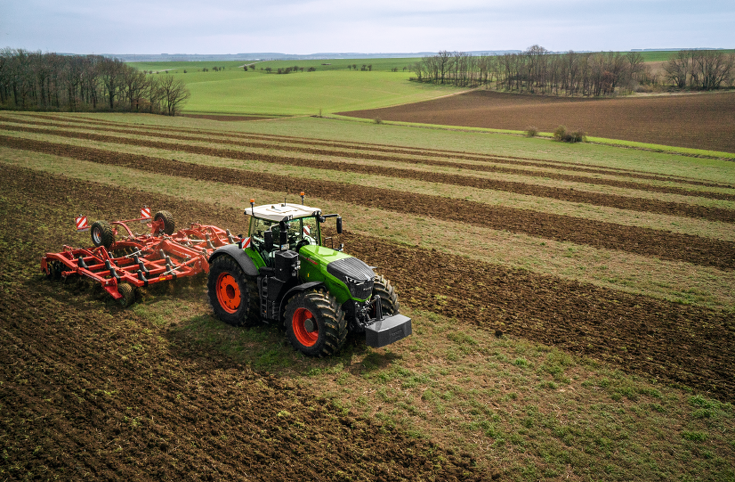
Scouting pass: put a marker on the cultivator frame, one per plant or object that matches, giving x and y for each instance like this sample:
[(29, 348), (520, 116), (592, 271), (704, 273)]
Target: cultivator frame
[(140, 260)]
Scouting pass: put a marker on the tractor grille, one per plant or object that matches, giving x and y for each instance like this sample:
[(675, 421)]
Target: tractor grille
[(355, 274)]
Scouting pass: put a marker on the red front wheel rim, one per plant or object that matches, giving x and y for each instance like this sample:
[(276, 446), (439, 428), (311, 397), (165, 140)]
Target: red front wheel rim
[(299, 327), (228, 292)]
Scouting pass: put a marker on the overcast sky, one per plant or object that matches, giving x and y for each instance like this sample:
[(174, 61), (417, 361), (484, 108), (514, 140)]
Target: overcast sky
[(304, 27)]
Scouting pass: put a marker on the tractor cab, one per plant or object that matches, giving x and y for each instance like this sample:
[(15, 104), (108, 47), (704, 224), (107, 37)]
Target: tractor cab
[(301, 223)]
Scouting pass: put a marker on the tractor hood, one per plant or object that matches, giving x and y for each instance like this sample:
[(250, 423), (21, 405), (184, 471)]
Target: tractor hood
[(351, 271)]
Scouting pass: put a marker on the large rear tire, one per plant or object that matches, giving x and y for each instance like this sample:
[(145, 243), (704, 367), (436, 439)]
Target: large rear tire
[(232, 294), (102, 234), (315, 323), (388, 296), (169, 225)]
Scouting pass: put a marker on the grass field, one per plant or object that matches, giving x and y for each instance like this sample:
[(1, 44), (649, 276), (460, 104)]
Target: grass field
[(573, 307), (331, 88)]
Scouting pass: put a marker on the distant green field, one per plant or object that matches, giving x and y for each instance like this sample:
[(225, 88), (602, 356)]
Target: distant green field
[(661, 56), (333, 88)]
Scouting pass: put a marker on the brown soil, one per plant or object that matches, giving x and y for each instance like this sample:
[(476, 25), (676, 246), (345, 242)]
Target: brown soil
[(670, 342), (563, 194), (434, 153), (701, 121), (224, 118), (643, 241), (92, 392)]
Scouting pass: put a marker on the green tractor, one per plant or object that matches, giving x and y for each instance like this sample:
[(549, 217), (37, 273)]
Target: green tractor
[(319, 294)]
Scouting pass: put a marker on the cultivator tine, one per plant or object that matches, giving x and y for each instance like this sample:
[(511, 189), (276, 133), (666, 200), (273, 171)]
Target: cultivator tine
[(81, 262), (230, 238)]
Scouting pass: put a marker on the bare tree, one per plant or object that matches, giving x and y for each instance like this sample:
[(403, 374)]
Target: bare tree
[(173, 93)]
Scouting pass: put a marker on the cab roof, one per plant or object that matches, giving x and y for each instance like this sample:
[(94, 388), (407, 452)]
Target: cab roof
[(282, 212)]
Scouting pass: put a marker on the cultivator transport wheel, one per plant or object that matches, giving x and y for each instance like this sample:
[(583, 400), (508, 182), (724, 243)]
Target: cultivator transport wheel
[(315, 323), (128, 294), (102, 234), (388, 297), (169, 225), (233, 296)]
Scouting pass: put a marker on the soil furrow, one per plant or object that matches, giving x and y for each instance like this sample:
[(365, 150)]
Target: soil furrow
[(643, 241), (432, 153), (562, 194), (676, 343)]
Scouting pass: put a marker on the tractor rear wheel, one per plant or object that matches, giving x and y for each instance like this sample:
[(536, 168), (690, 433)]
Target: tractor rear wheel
[(315, 323), (102, 234), (169, 225), (388, 296), (232, 294)]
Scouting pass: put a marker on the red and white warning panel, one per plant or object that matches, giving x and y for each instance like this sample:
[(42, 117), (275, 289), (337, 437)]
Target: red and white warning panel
[(145, 212), (81, 222)]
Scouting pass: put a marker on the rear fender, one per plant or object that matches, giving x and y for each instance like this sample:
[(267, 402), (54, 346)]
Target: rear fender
[(239, 255)]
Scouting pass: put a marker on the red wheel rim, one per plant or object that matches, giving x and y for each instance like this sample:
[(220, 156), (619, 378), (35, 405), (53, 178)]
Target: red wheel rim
[(299, 327), (228, 292)]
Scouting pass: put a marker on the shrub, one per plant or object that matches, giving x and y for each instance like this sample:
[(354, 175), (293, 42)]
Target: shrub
[(561, 135), (531, 131), (378, 120)]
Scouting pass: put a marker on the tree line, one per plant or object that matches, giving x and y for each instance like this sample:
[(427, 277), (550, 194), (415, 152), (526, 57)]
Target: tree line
[(53, 82), (539, 71)]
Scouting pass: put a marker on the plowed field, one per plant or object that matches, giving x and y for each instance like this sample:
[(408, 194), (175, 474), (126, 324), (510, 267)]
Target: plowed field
[(89, 390), (700, 121)]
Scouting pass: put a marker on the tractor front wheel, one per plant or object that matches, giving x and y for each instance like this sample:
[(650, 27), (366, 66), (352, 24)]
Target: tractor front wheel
[(388, 296), (233, 296), (315, 323)]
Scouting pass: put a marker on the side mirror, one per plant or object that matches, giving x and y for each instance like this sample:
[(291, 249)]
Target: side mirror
[(339, 224), (268, 238)]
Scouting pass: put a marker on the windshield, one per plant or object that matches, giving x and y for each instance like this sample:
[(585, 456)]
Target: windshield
[(301, 232)]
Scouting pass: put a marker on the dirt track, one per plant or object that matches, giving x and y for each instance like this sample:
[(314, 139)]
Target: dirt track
[(90, 392), (644, 241), (676, 343), (702, 121)]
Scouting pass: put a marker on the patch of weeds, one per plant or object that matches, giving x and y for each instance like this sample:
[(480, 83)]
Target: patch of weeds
[(548, 385), (694, 436), (272, 358), (521, 362), (343, 378), (461, 338)]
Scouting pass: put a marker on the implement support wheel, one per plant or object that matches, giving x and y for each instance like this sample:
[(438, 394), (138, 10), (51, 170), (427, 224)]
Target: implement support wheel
[(315, 323), (102, 234), (128, 294), (169, 225)]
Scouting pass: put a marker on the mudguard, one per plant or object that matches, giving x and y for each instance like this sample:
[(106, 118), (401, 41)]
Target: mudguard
[(238, 255), (296, 289)]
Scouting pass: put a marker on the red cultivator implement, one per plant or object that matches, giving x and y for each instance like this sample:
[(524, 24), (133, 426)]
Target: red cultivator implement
[(137, 260)]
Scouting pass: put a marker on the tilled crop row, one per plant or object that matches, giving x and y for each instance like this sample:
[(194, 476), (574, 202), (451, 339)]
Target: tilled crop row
[(643, 241), (562, 194), (392, 149), (676, 343), (86, 395)]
